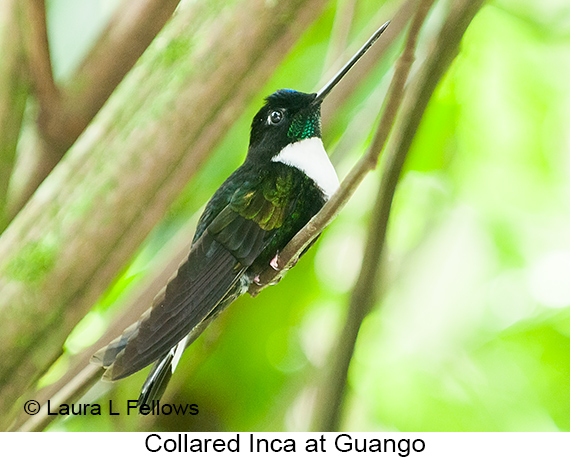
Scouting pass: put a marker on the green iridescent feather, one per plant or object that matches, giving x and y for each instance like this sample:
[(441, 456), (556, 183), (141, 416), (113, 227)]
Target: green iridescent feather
[(266, 204), (305, 126)]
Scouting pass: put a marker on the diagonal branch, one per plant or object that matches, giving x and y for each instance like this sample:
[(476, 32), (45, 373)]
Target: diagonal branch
[(82, 374), (126, 37), (66, 112), (365, 290), (367, 163)]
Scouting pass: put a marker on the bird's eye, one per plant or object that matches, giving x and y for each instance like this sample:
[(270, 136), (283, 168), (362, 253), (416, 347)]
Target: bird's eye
[(275, 117)]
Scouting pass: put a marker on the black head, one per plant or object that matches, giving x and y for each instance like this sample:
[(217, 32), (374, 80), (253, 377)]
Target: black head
[(288, 116)]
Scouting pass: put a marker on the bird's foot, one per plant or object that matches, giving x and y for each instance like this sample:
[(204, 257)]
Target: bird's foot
[(275, 263)]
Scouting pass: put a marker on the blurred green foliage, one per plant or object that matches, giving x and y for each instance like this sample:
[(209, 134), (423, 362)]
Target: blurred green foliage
[(472, 328)]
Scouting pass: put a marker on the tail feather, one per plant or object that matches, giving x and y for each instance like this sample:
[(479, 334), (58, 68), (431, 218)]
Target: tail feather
[(209, 274), (108, 354), (161, 372), (159, 377), (156, 382)]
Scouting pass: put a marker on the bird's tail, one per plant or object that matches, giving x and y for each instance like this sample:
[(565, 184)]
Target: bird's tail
[(156, 382), (160, 374), (162, 370)]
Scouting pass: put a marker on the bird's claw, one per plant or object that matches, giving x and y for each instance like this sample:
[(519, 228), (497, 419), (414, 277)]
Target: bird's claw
[(275, 263)]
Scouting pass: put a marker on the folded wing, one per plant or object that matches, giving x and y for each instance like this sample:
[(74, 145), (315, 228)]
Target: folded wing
[(213, 273)]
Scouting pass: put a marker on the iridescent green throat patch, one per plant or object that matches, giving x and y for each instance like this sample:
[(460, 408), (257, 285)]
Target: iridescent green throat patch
[(305, 126)]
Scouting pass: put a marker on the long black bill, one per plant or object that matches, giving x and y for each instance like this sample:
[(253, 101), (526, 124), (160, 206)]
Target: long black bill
[(321, 94)]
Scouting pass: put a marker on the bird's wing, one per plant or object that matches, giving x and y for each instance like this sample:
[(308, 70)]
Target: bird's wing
[(217, 261)]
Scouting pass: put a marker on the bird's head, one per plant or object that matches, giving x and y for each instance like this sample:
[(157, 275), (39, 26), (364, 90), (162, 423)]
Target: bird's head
[(288, 116)]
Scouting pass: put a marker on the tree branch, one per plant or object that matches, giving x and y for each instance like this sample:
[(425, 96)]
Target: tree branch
[(14, 87), (65, 113), (39, 60), (46, 92), (290, 254), (364, 294), (126, 37)]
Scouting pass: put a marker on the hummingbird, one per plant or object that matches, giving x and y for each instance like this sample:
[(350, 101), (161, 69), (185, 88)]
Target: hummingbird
[(285, 180)]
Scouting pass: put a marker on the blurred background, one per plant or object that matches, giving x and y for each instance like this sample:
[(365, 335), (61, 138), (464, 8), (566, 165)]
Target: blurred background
[(471, 328)]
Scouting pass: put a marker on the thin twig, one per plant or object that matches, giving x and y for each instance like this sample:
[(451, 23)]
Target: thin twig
[(364, 293), (368, 162)]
